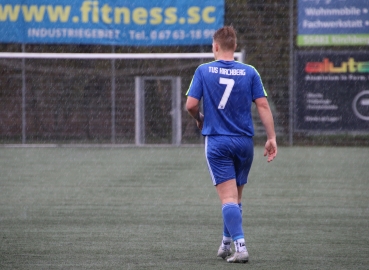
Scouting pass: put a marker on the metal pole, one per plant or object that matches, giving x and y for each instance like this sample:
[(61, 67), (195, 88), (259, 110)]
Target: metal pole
[(243, 56), (113, 132), (24, 124), (291, 111), (179, 111), (176, 111), (139, 111)]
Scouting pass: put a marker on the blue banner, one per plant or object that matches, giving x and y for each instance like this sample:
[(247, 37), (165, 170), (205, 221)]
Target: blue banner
[(333, 22), (111, 22)]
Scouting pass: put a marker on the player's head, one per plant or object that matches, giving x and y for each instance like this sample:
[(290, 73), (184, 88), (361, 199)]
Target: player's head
[(225, 38)]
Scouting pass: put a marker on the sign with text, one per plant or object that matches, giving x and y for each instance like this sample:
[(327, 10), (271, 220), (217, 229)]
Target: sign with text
[(111, 22), (331, 91), (333, 22)]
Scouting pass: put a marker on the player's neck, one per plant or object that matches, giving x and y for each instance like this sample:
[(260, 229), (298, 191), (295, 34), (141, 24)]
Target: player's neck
[(226, 56)]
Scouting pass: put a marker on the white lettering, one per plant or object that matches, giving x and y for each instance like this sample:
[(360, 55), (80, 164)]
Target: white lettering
[(330, 119), (333, 11), (235, 72), (213, 69), (332, 24), (73, 33)]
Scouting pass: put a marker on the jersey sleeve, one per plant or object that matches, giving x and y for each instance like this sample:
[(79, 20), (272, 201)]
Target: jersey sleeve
[(258, 90), (196, 90)]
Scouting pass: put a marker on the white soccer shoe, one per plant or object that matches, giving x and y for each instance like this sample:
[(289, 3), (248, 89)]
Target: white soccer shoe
[(239, 257), (224, 252)]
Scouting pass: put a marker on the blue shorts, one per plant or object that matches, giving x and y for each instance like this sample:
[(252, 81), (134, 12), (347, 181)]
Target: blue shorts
[(229, 157)]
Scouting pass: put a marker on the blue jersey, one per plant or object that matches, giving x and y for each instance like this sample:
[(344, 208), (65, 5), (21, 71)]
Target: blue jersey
[(228, 89)]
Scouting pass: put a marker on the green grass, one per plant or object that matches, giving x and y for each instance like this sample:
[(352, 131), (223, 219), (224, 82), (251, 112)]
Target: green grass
[(156, 208)]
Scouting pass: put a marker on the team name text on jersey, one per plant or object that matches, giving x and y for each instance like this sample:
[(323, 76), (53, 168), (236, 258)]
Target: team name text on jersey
[(225, 71)]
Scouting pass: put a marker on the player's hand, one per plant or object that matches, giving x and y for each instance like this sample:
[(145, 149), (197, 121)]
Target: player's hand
[(270, 149), (200, 122)]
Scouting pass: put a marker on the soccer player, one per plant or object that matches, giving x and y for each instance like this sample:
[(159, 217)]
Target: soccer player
[(228, 89)]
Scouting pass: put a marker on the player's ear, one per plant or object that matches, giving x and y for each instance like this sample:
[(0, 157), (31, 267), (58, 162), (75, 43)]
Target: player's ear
[(216, 47), (235, 47)]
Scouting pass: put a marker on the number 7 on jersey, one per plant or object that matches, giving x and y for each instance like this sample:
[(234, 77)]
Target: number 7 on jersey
[(229, 86)]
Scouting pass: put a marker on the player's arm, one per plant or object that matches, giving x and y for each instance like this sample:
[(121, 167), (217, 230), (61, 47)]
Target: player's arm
[(193, 108), (266, 117)]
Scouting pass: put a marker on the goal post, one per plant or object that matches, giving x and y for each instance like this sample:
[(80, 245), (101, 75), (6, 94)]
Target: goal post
[(238, 55), (60, 92)]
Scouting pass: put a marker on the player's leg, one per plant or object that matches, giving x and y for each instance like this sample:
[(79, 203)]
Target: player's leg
[(228, 194), (242, 162), (239, 193), (240, 189), (243, 156), (224, 249), (241, 254), (221, 169)]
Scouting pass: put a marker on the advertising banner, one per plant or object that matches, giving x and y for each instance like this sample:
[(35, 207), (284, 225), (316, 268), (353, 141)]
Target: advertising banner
[(111, 22), (331, 91), (333, 22)]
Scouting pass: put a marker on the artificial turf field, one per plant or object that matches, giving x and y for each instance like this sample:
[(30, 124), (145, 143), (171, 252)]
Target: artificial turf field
[(156, 208)]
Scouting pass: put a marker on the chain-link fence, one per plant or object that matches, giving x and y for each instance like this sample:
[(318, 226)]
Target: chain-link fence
[(70, 101)]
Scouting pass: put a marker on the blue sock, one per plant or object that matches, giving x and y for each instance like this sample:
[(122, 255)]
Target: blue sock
[(233, 220), (225, 230)]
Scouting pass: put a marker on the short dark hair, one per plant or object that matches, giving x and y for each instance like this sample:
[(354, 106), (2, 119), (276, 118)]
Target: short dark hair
[(226, 37)]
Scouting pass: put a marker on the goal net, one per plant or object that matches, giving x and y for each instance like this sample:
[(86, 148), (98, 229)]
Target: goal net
[(98, 98)]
